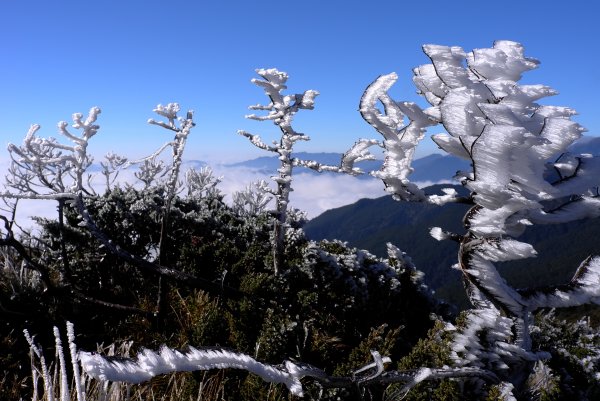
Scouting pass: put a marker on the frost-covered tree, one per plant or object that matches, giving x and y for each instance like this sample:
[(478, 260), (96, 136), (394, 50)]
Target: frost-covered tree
[(522, 174), (48, 169), (253, 199), (281, 110)]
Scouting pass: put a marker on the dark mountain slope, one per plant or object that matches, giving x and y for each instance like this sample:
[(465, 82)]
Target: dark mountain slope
[(370, 223)]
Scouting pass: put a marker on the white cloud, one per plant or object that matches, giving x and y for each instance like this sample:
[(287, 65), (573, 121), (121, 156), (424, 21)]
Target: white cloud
[(318, 193), (26, 209), (312, 193)]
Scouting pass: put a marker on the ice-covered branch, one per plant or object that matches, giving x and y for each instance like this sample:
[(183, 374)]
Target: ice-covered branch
[(400, 140), (150, 171), (149, 364), (583, 288), (37, 351), (112, 167), (75, 362), (411, 379), (257, 141), (357, 153), (182, 130), (42, 166), (521, 174)]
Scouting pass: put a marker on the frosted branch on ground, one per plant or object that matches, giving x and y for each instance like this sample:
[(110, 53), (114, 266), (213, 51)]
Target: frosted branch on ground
[(149, 364)]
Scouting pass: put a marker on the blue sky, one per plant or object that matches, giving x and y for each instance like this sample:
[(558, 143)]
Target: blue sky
[(59, 57)]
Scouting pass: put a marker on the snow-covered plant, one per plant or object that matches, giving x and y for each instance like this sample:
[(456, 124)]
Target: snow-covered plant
[(182, 127), (55, 377), (150, 171), (111, 167), (354, 270), (253, 199), (281, 110), (522, 174), (575, 349), (202, 183), (44, 168)]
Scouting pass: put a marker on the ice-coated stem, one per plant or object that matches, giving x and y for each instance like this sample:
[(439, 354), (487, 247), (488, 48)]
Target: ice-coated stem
[(79, 388)]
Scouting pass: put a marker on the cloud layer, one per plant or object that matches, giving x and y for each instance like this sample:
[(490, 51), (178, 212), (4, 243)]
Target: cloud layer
[(312, 193)]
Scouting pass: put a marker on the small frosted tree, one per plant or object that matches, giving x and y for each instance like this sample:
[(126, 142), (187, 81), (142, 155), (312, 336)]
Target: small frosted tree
[(281, 110)]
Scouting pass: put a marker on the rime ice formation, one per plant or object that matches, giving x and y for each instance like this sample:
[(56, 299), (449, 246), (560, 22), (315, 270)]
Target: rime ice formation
[(44, 168), (521, 174), (149, 364), (281, 111)]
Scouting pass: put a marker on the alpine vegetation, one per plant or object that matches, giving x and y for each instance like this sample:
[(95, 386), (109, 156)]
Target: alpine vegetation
[(281, 110), (215, 287)]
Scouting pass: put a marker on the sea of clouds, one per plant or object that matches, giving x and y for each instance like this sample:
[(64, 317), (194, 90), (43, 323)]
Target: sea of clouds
[(312, 193)]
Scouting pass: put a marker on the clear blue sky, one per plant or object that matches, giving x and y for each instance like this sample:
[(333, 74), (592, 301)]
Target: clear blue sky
[(58, 57)]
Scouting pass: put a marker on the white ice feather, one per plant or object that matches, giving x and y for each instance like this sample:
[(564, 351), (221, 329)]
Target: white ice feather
[(149, 364)]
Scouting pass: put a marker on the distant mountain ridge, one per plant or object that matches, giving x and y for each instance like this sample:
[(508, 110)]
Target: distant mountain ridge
[(431, 168)]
